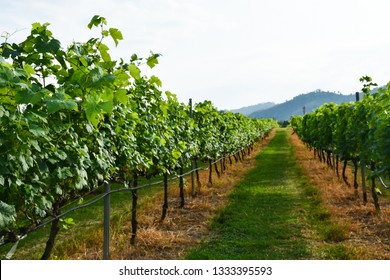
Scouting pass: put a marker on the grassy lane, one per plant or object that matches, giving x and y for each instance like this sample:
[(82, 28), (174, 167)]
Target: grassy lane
[(262, 208), (267, 216)]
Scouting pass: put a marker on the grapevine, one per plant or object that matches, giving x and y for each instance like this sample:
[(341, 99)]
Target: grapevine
[(356, 132), (73, 118)]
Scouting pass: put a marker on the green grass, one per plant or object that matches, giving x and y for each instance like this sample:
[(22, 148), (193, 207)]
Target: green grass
[(269, 215), (270, 212)]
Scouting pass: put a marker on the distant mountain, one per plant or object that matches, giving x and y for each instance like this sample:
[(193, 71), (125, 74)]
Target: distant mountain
[(250, 109), (294, 107)]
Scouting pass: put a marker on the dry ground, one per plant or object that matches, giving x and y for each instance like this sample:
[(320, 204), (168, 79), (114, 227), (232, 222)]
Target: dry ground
[(369, 232), (183, 227)]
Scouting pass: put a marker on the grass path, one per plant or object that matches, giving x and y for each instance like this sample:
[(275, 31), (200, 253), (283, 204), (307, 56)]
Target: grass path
[(279, 203), (269, 213)]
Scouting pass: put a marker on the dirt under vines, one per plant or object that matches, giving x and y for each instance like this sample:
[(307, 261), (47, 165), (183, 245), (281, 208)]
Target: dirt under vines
[(182, 228), (368, 233)]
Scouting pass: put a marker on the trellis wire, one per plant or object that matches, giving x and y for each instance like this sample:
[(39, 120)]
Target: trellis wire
[(383, 183), (105, 196)]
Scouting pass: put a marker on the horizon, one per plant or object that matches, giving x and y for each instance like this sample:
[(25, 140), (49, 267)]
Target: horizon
[(275, 103)]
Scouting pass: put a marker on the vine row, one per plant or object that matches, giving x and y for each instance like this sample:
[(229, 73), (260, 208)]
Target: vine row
[(73, 118), (356, 132)]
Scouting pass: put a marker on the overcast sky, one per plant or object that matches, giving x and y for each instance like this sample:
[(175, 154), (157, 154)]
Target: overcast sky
[(234, 53)]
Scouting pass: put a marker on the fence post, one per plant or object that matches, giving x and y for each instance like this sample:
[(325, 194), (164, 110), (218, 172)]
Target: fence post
[(192, 179), (192, 161), (362, 165), (106, 222)]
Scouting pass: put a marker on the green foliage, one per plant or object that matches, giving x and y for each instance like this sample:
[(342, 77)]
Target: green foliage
[(7, 214), (71, 118), (352, 130), (67, 223)]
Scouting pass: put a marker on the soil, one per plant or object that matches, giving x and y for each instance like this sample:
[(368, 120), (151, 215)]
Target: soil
[(369, 231)]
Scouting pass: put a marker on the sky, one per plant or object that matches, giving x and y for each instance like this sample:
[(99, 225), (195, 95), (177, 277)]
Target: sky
[(233, 53)]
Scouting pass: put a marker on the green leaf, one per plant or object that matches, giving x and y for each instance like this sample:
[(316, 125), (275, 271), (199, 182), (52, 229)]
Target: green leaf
[(48, 47), (64, 173), (134, 71), (7, 214), (66, 223), (44, 203), (134, 116), (103, 49), (43, 168), (60, 101), (156, 80), (94, 107), (54, 45), (116, 35), (28, 96), (106, 106), (106, 80), (61, 154), (152, 60), (134, 57), (69, 221), (122, 79), (4, 169), (58, 190), (91, 110), (176, 154), (81, 179), (35, 25), (96, 21), (37, 131), (23, 162), (83, 61), (121, 96), (29, 70)]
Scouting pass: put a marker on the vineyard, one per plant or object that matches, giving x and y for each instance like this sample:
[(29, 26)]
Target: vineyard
[(356, 132), (72, 119)]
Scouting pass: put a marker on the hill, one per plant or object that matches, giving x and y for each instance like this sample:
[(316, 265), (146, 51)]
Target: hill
[(294, 107), (253, 108)]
